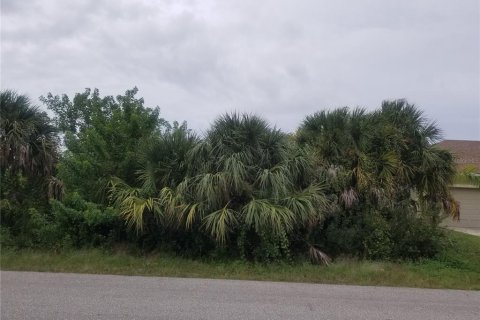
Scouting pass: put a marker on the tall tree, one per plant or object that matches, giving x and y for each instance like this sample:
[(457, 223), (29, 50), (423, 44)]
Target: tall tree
[(101, 137), (28, 158), (28, 140)]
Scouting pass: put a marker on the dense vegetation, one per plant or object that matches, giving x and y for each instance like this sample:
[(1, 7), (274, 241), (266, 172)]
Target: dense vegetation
[(348, 182)]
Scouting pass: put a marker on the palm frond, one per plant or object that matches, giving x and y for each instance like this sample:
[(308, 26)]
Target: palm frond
[(451, 207), (236, 171), (132, 204), (56, 188), (212, 188), (262, 214), (349, 197), (309, 205), (274, 181), (219, 223), (317, 256)]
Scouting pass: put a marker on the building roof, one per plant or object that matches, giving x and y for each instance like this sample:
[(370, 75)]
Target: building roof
[(467, 153)]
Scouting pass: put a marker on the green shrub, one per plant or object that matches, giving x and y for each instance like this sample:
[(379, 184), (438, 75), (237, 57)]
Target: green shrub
[(43, 231), (6, 239), (386, 235), (84, 223), (413, 237), (263, 246), (34, 229), (377, 240)]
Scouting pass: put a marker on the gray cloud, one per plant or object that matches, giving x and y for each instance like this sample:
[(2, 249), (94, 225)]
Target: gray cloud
[(280, 59)]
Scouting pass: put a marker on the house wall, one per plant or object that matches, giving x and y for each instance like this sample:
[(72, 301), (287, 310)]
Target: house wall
[(469, 199)]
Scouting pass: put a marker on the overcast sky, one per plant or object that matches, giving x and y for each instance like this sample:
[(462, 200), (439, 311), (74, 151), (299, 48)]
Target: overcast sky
[(279, 59)]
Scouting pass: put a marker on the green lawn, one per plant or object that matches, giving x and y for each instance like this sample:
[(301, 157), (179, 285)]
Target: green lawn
[(456, 268)]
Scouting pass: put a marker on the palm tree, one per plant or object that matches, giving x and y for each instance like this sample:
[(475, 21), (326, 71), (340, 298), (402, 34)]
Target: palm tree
[(385, 154), (28, 141), (341, 141), (244, 180), (162, 159), (427, 170), (246, 177), (28, 156)]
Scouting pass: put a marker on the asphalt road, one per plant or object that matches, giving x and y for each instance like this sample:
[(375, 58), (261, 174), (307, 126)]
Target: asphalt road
[(30, 295)]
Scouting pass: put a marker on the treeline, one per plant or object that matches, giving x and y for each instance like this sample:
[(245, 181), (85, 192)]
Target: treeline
[(107, 171)]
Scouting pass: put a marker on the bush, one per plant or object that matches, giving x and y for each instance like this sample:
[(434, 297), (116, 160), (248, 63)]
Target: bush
[(414, 237), (23, 209), (340, 233), (387, 235), (33, 229), (186, 243), (377, 241), (6, 239), (263, 246), (83, 223)]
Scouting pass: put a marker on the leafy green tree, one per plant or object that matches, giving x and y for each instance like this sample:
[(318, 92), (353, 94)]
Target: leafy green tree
[(101, 138)]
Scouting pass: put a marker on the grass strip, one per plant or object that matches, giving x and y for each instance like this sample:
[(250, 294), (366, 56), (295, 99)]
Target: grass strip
[(458, 267)]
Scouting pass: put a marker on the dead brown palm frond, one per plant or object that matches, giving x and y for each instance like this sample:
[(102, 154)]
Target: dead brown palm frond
[(56, 188), (349, 197), (451, 207), (317, 256)]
